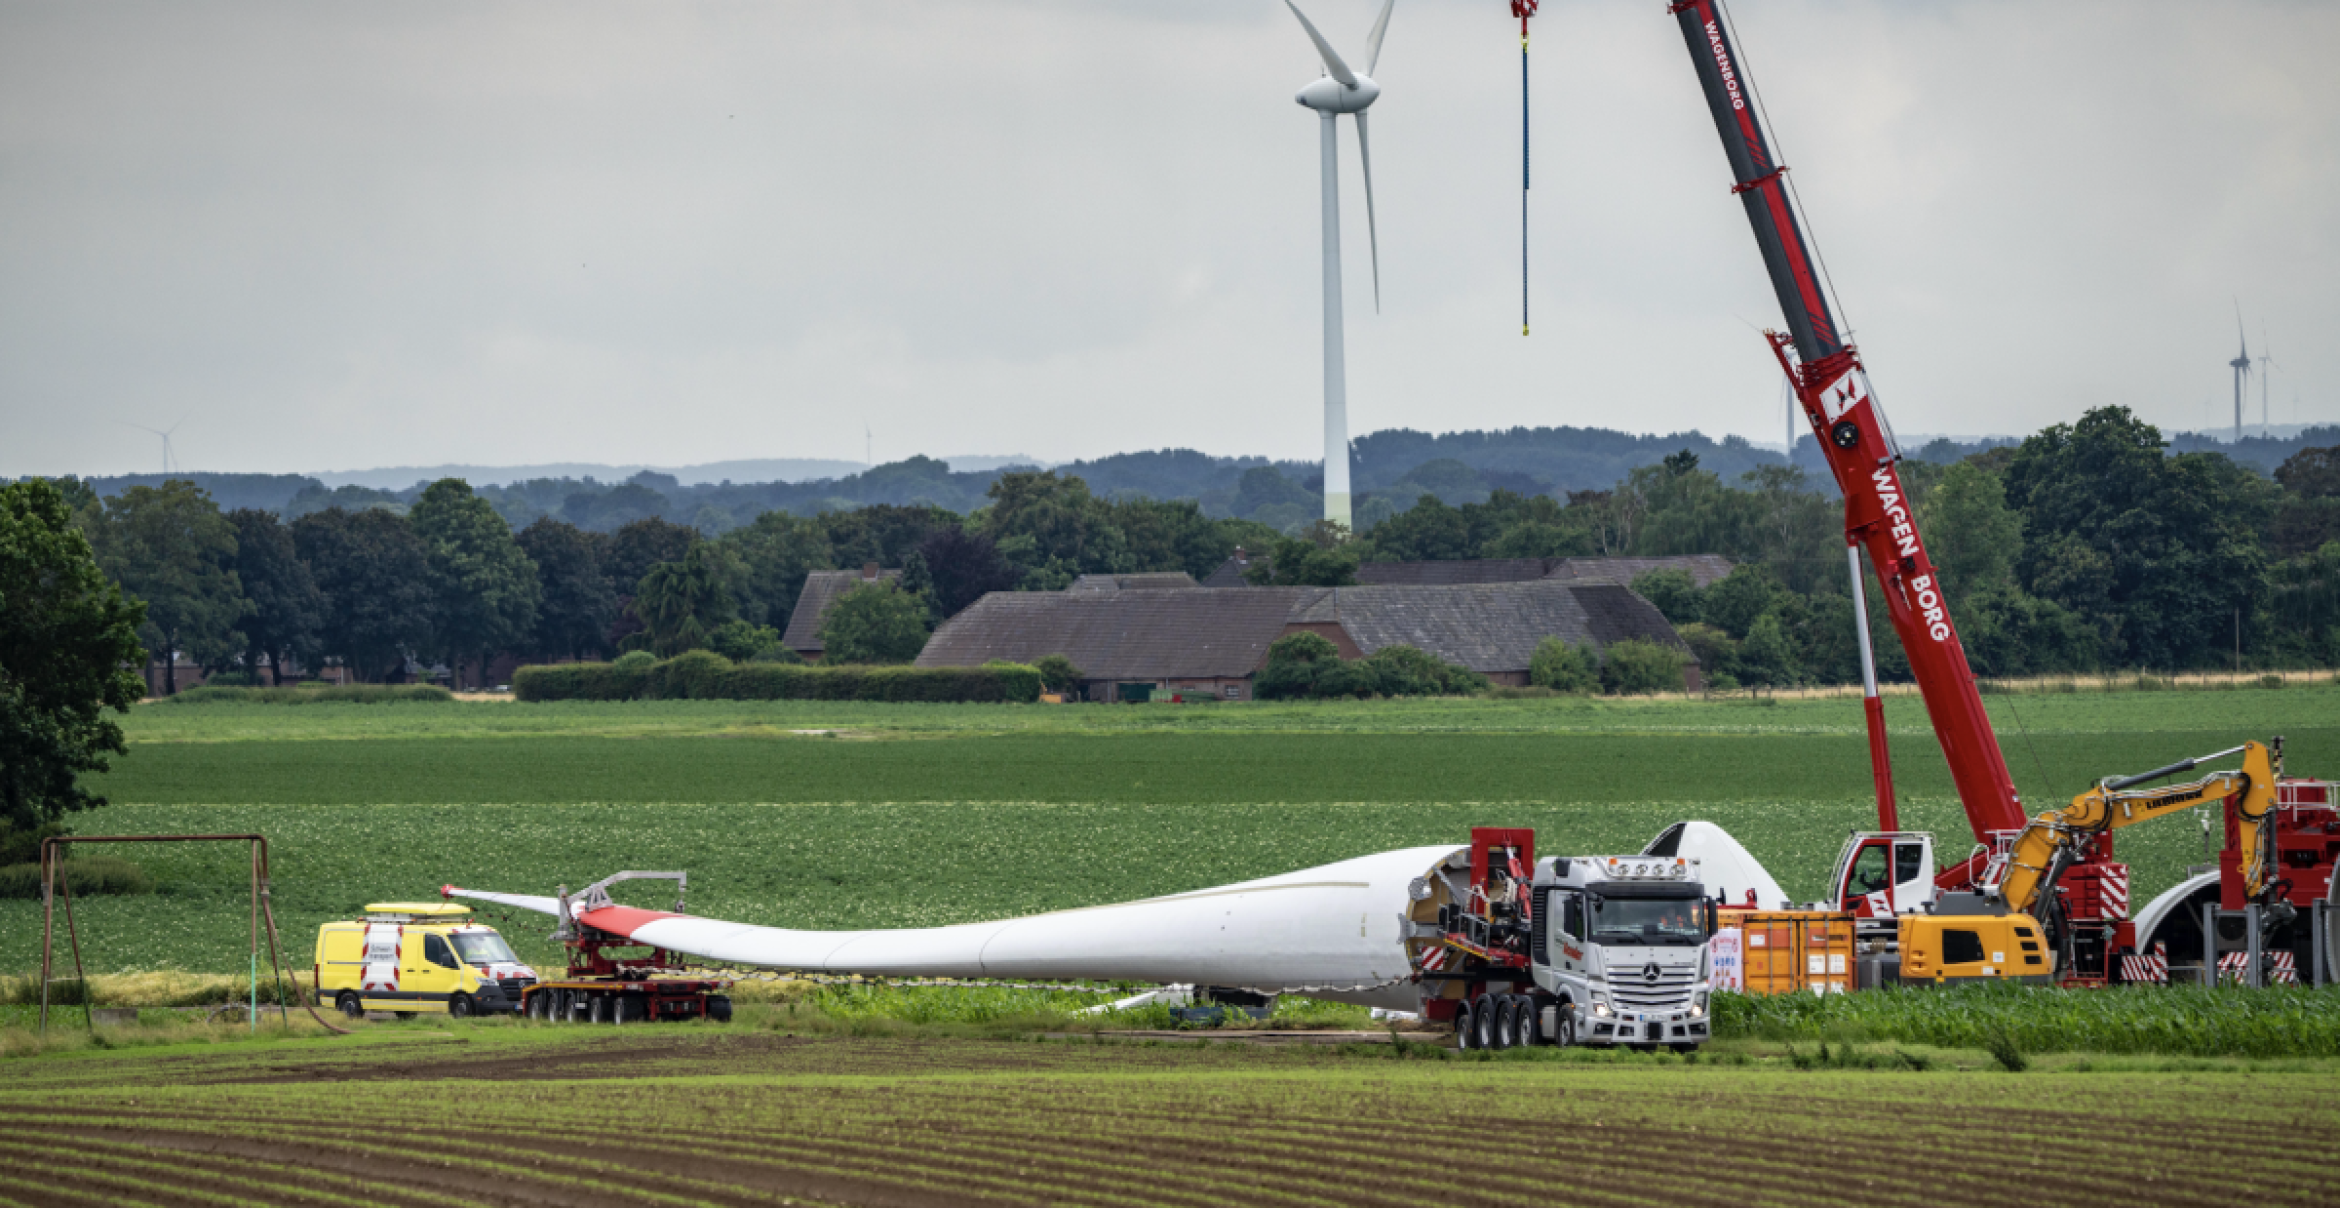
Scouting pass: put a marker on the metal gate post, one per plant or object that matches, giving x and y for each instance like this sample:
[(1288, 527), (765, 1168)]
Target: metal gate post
[(2252, 976), (2209, 943)]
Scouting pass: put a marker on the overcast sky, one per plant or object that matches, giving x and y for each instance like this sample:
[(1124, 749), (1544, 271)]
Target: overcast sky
[(334, 235)]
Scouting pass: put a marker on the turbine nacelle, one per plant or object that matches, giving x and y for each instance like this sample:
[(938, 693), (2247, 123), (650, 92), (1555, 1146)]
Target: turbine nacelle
[(1328, 95)]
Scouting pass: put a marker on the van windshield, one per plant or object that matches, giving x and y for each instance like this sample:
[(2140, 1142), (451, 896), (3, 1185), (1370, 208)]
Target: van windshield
[(483, 948), (1646, 921)]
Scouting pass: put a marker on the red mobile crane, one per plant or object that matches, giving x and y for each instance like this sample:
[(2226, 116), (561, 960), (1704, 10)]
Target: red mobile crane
[(1825, 370)]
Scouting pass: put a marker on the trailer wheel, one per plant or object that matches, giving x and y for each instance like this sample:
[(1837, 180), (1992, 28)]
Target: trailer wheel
[(1506, 1023), (633, 1008), (1466, 1032), (719, 1008), (1483, 1020), (349, 1005), (597, 1009)]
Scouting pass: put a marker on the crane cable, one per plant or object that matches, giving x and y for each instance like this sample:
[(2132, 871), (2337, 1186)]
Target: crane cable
[(1523, 9)]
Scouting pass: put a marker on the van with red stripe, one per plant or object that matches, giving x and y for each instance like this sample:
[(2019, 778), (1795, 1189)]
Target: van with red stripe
[(416, 957)]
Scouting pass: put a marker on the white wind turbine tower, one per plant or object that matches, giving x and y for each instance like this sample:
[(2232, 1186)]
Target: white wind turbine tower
[(1341, 90), (164, 433)]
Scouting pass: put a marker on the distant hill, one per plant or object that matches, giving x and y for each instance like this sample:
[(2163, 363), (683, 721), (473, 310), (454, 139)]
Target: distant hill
[(1393, 469), (784, 469)]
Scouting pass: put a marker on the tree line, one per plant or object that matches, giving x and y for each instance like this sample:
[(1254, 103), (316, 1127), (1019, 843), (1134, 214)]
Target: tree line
[(2085, 547)]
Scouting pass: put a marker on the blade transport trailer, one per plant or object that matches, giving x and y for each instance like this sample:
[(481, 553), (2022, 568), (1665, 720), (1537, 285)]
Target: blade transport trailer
[(602, 988)]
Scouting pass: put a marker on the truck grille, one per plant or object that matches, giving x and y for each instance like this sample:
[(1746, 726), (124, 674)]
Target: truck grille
[(1633, 991)]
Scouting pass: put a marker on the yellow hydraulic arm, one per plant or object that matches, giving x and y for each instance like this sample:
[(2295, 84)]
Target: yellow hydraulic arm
[(2051, 841)]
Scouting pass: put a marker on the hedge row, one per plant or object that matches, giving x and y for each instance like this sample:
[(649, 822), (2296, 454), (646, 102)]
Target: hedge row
[(364, 694), (705, 675)]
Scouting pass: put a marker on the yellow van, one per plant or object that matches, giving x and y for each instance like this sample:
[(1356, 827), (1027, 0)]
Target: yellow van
[(411, 957)]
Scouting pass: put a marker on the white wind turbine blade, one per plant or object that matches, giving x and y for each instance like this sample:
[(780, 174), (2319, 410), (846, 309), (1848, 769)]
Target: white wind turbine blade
[(1372, 238), (1373, 40), (1333, 65)]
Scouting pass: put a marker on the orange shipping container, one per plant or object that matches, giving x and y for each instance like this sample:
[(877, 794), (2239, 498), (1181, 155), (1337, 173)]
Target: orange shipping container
[(1788, 950)]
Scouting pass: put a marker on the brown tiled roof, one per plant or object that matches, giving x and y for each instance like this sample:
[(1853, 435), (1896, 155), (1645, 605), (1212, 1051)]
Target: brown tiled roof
[(1111, 635), (821, 589), (1704, 568), (1143, 581), (1207, 632), (1488, 627)]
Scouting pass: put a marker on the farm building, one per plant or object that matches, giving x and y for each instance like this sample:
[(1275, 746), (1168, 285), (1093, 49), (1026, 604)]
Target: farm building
[(821, 589), (1703, 569), (1212, 641)]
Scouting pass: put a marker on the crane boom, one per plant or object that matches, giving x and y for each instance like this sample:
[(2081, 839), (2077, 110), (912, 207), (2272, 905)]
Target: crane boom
[(1826, 372)]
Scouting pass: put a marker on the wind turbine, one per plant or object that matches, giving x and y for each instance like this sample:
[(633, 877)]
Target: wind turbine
[(1341, 90), (164, 433), (2241, 365), (2266, 375)]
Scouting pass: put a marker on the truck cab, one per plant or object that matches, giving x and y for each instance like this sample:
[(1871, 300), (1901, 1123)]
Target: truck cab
[(1623, 953)]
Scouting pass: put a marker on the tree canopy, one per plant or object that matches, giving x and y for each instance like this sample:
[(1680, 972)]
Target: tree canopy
[(170, 547), (68, 637)]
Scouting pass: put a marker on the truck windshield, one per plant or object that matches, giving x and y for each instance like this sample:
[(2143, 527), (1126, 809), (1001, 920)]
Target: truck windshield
[(1646, 921), (483, 948)]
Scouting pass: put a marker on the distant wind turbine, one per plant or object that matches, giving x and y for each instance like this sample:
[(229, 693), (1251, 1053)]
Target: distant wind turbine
[(2241, 365), (1341, 90), (165, 434), (2266, 375)]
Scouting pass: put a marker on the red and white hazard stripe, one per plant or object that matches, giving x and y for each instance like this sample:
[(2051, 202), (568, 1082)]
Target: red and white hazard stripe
[(2233, 966), (2112, 884), (2286, 970)]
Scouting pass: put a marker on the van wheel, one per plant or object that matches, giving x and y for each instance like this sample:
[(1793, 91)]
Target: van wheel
[(459, 1007), (347, 1003)]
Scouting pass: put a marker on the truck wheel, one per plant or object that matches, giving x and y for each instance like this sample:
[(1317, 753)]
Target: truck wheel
[(1564, 1034), (459, 1007), (349, 1005), (1506, 1023), (1483, 1021), (1466, 1032), (719, 1008), (597, 1009), (1524, 1031)]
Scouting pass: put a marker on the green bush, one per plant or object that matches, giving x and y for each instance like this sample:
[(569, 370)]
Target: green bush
[(84, 876), (635, 660), (1637, 666), (362, 694), (777, 653), (740, 641), (1057, 673), (705, 675), (1563, 668)]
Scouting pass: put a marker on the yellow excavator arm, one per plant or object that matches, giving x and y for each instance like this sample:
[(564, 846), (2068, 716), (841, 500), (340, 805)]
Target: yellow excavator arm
[(2051, 841)]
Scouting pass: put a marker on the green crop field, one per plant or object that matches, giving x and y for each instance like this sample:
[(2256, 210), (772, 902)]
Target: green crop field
[(907, 815), (754, 1115)]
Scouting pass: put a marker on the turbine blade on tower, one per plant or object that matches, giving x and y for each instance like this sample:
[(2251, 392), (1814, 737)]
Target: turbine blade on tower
[(1373, 40), (1372, 238), (1333, 65)]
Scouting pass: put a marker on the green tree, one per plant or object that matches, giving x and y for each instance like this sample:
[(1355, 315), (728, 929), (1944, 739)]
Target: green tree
[(775, 552), (639, 545), (1673, 591), (1973, 535), (373, 572), (682, 602), (287, 609), (1302, 562), (484, 589), (1065, 527), (1057, 673), (170, 547), (1563, 668), (577, 604), (1638, 666), (1714, 649), (1734, 601), (874, 623), (67, 641), (964, 565), (1766, 658), (2163, 553), (1294, 664), (1402, 670), (740, 641)]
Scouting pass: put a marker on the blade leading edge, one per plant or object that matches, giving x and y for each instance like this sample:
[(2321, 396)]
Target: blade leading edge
[(1332, 59), (1373, 40), (1372, 237)]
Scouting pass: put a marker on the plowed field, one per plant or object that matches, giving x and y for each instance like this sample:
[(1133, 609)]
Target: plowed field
[(750, 1118)]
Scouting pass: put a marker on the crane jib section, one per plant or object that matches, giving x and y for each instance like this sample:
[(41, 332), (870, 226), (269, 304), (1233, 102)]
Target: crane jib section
[(1833, 389)]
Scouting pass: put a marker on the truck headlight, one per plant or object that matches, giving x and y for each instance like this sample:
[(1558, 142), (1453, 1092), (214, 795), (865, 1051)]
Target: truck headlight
[(1698, 1003)]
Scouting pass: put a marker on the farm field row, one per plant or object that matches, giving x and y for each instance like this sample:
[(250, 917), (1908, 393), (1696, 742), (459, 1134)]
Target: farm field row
[(742, 1118), (2250, 711)]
